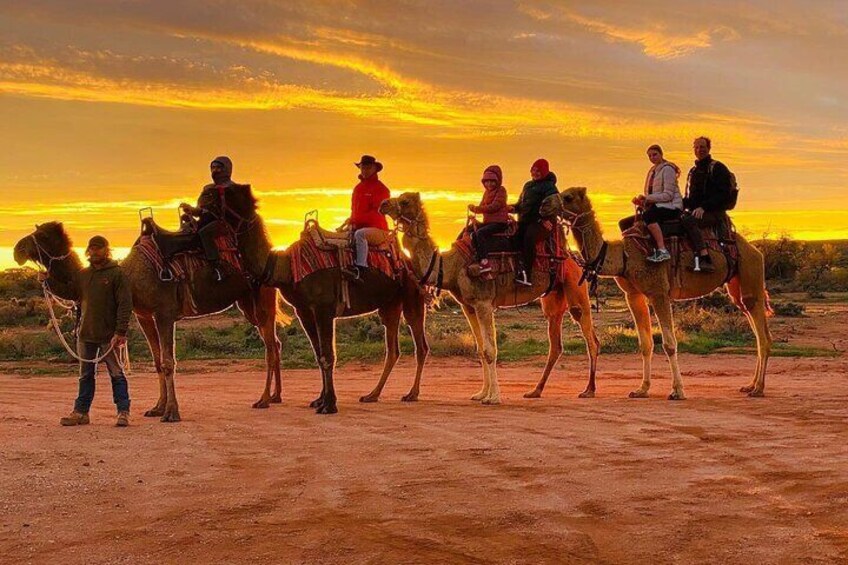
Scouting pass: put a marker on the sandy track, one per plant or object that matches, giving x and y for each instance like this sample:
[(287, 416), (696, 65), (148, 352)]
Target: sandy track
[(717, 478)]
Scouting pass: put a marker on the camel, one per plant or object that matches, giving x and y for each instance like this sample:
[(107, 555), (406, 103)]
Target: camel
[(645, 283), (479, 298), (317, 303), (159, 305)]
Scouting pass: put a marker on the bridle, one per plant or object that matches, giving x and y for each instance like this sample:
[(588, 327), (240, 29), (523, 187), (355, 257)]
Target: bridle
[(43, 253), (417, 228), (579, 223)]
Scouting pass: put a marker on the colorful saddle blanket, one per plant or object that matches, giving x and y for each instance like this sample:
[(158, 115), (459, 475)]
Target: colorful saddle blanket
[(183, 265), (308, 257), (551, 256)]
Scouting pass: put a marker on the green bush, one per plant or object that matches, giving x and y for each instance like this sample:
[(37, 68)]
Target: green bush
[(788, 309)]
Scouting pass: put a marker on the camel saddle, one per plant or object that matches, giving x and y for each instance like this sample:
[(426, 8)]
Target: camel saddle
[(172, 242), (328, 240)]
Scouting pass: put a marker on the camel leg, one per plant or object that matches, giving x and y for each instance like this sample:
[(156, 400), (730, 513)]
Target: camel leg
[(415, 317), (166, 339), (662, 306), (553, 307), (266, 322), (325, 323), (474, 324), (148, 328), (759, 324), (583, 316), (486, 317), (307, 320), (391, 322), (638, 305)]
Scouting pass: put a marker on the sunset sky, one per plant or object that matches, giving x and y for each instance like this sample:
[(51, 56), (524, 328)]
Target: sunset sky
[(108, 106)]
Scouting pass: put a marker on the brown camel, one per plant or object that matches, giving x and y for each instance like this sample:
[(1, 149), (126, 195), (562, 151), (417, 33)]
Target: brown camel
[(317, 303), (647, 283), (479, 298), (159, 305)]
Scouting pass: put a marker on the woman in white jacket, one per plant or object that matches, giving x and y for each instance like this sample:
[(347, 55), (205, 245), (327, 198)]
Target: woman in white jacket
[(661, 201)]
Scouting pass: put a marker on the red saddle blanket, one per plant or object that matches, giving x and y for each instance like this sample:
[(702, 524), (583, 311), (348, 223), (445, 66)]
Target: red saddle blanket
[(551, 255), (182, 265), (308, 258), (680, 244)]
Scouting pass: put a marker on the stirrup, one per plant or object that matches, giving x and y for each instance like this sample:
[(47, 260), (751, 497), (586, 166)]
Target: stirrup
[(217, 275), (521, 278), (353, 272)]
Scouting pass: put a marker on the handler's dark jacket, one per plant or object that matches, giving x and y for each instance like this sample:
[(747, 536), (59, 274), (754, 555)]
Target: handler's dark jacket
[(106, 300), (532, 195), (212, 196), (708, 190)]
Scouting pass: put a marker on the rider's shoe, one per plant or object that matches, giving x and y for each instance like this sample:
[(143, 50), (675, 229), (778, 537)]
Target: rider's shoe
[(485, 266), (659, 255)]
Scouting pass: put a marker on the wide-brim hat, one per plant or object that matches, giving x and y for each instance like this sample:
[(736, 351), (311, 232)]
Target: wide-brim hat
[(97, 241), (369, 160)]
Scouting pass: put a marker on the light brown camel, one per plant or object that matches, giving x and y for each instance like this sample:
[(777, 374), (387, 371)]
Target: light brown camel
[(647, 283), (159, 305), (317, 301), (479, 298)]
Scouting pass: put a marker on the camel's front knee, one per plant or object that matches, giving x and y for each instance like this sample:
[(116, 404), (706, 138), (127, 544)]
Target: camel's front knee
[(576, 313), (670, 349)]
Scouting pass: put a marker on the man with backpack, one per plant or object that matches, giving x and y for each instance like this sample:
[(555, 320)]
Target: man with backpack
[(710, 193)]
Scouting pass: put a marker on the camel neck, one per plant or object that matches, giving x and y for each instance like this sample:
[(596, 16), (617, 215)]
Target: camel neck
[(254, 247), (590, 237), (422, 248)]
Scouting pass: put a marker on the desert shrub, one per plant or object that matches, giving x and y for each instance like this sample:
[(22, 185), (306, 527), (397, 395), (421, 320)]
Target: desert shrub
[(19, 283), (23, 312), (788, 309)]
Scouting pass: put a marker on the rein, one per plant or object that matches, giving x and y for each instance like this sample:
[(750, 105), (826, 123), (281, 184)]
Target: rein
[(435, 259)]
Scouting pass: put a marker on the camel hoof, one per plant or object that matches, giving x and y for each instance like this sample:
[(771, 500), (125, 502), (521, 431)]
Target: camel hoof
[(316, 403), (746, 389), (261, 404), (478, 396), (756, 393), (327, 409), (170, 417), (491, 401), (276, 399), (369, 398), (676, 396), (638, 394), (154, 412), (587, 394), (535, 393), (409, 397)]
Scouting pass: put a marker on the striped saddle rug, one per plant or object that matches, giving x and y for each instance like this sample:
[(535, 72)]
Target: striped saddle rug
[(307, 258), (183, 265), (551, 256)]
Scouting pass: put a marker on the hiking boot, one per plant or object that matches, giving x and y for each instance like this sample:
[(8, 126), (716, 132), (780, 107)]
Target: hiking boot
[(485, 267), (353, 272), (123, 419), (659, 255), (522, 279), (703, 264), (74, 419)]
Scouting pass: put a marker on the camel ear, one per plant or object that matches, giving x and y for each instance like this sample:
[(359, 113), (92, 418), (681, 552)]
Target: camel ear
[(416, 196), (581, 190)]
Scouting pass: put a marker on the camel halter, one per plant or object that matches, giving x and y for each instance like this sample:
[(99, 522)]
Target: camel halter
[(122, 355), (417, 225), (591, 268)]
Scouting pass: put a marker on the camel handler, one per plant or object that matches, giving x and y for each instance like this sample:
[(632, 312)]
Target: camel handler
[(106, 305), (708, 193), (369, 226), (210, 210)]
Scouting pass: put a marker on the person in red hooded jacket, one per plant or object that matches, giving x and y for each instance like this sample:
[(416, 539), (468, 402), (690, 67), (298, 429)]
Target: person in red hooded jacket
[(368, 224), (495, 215)]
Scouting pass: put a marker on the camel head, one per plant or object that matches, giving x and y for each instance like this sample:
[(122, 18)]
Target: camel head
[(52, 239), (569, 203), (406, 209)]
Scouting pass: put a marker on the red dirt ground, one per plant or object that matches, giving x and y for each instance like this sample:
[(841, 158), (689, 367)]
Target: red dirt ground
[(718, 478)]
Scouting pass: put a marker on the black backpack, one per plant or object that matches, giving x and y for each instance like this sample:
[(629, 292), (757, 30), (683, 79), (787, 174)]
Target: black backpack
[(733, 192)]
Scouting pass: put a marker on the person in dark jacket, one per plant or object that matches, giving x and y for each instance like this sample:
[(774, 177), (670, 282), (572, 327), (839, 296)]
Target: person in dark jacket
[(530, 228), (707, 194), (494, 208), (210, 209), (368, 224), (106, 304)]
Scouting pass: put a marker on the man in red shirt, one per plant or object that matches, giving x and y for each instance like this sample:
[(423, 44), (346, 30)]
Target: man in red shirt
[(368, 224)]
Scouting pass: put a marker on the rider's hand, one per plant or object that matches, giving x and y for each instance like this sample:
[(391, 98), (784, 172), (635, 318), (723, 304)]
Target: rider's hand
[(698, 213), (638, 200), (118, 340), (43, 276), (471, 207)]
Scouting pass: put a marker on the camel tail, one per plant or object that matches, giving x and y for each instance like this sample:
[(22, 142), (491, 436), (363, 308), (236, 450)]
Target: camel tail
[(283, 317)]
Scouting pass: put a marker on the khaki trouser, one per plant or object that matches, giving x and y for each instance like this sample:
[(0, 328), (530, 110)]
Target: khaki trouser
[(364, 237)]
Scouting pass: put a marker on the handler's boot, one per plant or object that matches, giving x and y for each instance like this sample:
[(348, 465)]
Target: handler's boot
[(123, 419), (74, 419)]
